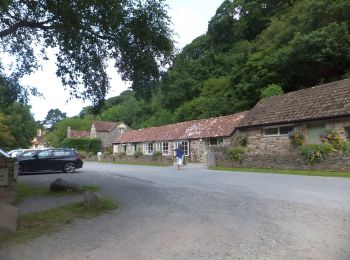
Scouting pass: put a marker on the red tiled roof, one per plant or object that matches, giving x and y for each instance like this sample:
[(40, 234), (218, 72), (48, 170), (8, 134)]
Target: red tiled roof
[(320, 102), (104, 126), (204, 128), (79, 134)]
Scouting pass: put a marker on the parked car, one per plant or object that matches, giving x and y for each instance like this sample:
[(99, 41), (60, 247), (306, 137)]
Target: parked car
[(57, 159)]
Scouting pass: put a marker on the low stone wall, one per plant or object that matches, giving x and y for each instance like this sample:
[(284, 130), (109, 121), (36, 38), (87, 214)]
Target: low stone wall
[(334, 162), (8, 180), (164, 160)]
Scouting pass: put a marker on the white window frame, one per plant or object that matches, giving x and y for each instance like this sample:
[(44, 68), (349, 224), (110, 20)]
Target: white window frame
[(278, 130), (146, 148), (165, 151), (186, 146)]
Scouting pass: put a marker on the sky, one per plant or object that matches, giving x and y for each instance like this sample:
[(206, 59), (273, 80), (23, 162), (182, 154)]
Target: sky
[(189, 20)]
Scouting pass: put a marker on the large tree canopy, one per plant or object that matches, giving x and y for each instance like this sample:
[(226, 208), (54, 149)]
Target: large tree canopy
[(87, 34)]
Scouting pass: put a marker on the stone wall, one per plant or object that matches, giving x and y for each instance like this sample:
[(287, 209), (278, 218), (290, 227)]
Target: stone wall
[(8, 191), (164, 160), (260, 144), (335, 162)]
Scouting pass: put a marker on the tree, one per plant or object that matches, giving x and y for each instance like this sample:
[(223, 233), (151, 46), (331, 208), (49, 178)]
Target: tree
[(87, 34), (53, 117), (21, 125), (59, 132), (271, 90)]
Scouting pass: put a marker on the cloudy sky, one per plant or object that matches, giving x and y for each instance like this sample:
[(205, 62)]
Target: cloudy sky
[(190, 20)]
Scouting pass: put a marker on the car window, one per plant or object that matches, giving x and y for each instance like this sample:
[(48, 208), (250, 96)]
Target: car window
[(28, 154), (58, 153), (68, 153), (44, 154)]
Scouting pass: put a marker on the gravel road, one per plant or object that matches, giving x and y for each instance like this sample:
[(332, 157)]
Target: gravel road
[(200, 214)]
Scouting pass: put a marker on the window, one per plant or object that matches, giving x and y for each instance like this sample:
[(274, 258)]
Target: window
[(165, 148), (214, 141), (185, 145), (148, 148), (44, 154), (278, 130), (58, 153)]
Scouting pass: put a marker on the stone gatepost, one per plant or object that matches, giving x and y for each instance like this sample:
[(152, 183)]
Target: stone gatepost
[(8, 180)]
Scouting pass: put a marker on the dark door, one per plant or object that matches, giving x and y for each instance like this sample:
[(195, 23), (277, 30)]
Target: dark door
[(43, 162)]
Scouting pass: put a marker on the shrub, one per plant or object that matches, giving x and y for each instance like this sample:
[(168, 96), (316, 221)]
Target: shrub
[(121, 155), (314, 153), (137, 154), (156, 155), (332, 137), (236, 153), (83, 154), (242, 139), (83, 144), (297, 138), (345, 145)]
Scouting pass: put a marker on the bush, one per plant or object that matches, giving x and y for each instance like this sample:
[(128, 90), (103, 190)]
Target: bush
[(345, 145), (83, 154), (137, 154), (242, 139), (332, 137), (121, 155), (156, 155), (236, 153), (297, 138), (83, 144), (314, 153)]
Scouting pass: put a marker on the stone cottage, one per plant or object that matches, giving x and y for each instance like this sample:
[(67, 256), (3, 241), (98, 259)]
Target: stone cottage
[(195, 136), (107, 131), (311, 111)]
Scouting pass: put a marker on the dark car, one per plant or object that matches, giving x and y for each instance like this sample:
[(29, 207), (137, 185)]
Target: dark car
[(60, 159)]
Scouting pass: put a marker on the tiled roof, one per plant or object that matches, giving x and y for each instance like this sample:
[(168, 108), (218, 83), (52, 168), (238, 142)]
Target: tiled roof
[(320, 102), (204, 128), (79, 134), (104, 126)]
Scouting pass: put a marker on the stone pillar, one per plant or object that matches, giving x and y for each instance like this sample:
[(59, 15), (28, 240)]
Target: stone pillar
[(8, 179), (211, 159)]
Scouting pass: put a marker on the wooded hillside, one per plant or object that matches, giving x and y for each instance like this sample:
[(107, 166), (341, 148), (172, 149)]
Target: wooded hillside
[(249, 45)]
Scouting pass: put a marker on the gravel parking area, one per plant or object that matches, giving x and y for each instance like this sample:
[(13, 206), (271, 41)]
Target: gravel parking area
[(200, 214)]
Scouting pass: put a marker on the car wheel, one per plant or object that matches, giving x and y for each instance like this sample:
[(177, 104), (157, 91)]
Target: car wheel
[(69, 167)]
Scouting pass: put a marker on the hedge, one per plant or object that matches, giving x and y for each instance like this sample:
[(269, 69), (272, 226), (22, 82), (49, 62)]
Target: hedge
[(83, 144)]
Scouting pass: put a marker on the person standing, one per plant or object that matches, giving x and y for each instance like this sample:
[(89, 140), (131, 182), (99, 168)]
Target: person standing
[(179, 154)]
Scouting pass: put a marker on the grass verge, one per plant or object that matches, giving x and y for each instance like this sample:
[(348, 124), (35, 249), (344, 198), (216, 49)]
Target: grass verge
[(25, 191), (49, 221), (291, 172)]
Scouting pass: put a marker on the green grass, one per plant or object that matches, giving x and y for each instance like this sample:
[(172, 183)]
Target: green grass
[(49, 221), (292, 172), (25, 191)]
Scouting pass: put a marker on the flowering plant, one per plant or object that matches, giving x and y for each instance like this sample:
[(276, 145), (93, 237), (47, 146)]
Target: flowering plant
[(331, 137), (297, 138)]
